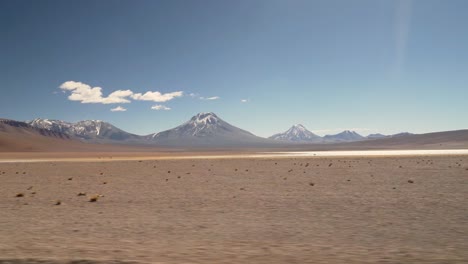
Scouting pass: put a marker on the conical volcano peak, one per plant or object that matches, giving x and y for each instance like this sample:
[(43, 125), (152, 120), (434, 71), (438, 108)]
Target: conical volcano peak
[(205, 118), (296, 133), (205, 129), (299, 127)]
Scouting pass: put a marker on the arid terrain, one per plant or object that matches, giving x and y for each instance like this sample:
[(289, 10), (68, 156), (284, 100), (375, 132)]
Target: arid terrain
[(238, 210)]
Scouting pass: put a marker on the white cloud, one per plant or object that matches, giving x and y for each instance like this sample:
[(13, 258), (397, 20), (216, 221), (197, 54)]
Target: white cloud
[(244, 100), (160, 107), (118, 109), (156, 96), (210, 98), (117, 96), (86, 94), (93, 95)]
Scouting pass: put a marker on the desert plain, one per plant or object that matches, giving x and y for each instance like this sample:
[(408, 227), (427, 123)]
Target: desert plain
[(359, 209)]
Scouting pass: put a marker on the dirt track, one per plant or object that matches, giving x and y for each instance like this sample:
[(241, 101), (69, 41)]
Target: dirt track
[(334, 210)]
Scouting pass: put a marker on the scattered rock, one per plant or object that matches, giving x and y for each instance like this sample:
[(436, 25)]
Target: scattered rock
[(19, 195), (329, 165), (410, 181), (81, 194), (58, 202), (71, 178), (29, 188), (168, 171), (311, 183), (93, 198)]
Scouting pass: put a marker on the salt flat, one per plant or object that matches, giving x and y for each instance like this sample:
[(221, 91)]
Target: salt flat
[(273, 209), (121, 156)]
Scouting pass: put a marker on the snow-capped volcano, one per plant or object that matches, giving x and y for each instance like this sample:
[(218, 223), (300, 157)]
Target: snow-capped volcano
[(206, 129), (297, 133), (88, 129), (345, 136)]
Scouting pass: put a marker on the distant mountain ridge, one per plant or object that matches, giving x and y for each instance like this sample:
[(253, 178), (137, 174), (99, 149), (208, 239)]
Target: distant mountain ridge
[(91, 130), (205, 130), (345, 136), (8, 124)]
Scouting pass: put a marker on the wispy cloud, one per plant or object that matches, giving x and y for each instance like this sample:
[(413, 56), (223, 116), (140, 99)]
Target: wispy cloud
[(157, 96), (244, 100), (118, 109), (93, 95), (160, 107), (210, 98)]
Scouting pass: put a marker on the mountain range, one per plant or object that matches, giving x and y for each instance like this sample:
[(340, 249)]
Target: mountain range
[(89, 130), (298, 133), (202, 130)]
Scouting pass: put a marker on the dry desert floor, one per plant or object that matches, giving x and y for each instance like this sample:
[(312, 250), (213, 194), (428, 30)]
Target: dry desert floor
[(411, 209)]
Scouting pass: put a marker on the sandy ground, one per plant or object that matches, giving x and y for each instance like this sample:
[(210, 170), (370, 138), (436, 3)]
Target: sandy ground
[(254, 210)]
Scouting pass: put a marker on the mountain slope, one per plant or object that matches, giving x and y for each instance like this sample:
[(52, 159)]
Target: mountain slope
[(20, 136), (297, 133), (207, 130), (345, 136), (375, 136), (435, 140)]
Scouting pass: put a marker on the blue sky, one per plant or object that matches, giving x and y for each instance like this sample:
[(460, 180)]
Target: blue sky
[(371, 66)]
